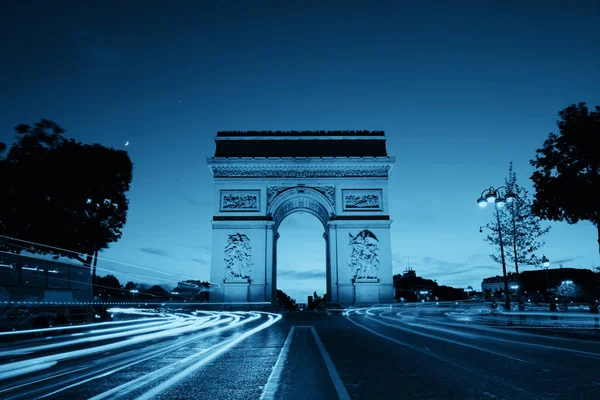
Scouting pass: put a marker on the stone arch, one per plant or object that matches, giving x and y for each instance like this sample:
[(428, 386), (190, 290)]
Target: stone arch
[(340, 177), (301, 198)]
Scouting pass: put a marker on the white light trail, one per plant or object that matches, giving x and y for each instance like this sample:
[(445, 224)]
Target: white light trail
[(18, 365), (26, 369), (143, 380), (202, 324), (222, 349)]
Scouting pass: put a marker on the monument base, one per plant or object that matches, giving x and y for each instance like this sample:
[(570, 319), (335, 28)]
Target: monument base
[(345, 294), (366, 291), (237, 290)]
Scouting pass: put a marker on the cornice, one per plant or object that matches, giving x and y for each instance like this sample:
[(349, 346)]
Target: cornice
[(280, 170)]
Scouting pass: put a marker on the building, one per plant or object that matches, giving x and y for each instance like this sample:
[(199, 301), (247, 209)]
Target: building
[(561, 282), (572, 283), (25, 278), (495, 283)]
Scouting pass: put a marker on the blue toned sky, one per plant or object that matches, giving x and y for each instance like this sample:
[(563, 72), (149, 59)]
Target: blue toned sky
[(461, 88)]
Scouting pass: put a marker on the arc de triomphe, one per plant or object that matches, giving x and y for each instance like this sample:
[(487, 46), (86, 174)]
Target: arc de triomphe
[(339, 177)]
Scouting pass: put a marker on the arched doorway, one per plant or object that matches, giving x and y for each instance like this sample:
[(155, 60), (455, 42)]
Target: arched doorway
[(341, 178), (301, 257), (289, 200)]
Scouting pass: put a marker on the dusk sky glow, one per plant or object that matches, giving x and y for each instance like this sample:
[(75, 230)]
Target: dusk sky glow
[(461, 90)]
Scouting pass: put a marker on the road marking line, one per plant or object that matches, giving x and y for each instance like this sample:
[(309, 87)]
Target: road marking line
[(273, 381), (335, 378)]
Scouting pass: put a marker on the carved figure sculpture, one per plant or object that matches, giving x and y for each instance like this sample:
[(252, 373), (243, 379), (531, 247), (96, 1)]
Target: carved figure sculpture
[(238, 257), (364, 259)]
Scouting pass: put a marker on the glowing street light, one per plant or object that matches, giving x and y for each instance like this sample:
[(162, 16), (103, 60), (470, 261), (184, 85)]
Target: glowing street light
[(545, 262), (496, 197), (545, 266), (133, 292)]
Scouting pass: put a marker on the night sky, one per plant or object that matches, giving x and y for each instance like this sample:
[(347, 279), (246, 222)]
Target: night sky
[(461, 89)]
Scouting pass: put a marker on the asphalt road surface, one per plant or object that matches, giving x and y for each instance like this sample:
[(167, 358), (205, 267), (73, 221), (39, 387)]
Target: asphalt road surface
[(377, 353)]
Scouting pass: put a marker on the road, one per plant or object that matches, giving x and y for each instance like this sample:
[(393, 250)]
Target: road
[(371, 353)]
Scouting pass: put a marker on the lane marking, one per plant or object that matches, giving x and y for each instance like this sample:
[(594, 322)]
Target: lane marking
[(273, 381), (335, 378)]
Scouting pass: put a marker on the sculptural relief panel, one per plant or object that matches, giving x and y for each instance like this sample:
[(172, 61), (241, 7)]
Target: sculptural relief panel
[(362, 200), (238, 258), (364, 256), (240, 200)]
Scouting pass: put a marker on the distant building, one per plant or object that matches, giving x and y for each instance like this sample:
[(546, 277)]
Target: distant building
[(409, 273), (411, 287), (560, 282), (25, 278), (495, 283), (563, 282)]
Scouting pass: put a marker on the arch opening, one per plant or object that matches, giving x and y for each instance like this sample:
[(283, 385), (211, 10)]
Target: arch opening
[(301, 256)]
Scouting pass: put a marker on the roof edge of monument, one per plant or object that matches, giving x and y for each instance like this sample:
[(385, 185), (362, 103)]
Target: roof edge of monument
[(318, 134), (296, 160)]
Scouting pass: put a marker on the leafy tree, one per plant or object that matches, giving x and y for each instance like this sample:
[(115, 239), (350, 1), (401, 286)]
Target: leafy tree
[(62, 193), (285, 301), (521, 229), (157, 291), (107, 286), (567, 176), (130, 286)]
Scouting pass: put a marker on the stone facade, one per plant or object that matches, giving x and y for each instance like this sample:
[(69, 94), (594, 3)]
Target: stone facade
[(349, 195)]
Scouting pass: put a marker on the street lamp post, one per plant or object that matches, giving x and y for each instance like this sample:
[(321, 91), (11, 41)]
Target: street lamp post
[(492, 195), (133, 292), (546, 265), (511, 197)]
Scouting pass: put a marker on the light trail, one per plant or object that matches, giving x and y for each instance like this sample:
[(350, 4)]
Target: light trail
[(72, 327), (163, 386), (142, 328), (449, 361), (486, 335), (174, 334), (204, 357), (12, 369)]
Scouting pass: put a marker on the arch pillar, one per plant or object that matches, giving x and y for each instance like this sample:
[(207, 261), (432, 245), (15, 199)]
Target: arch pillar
[(332, 264)]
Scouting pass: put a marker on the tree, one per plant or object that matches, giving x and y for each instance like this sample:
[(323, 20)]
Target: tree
[(64, 198), (157, 291), (567, 176), (285, 301), (521, 229), (107, 286)]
